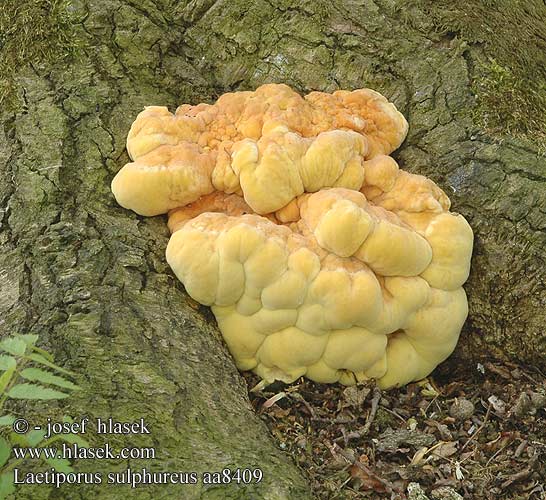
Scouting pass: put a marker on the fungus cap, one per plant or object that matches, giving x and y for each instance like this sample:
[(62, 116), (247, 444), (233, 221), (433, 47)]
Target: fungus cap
[(270, 146), (318, 255)]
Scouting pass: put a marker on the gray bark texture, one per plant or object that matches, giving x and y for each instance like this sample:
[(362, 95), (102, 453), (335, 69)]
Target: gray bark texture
[(91, 279)]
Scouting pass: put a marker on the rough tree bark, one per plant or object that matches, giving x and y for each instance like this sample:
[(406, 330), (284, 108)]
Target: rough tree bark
[(91, 279)]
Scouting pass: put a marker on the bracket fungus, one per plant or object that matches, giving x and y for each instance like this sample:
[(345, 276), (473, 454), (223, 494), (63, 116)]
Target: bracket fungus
[(318, 256)]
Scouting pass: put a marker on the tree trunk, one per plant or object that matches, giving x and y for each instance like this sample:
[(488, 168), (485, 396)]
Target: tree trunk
[(91, 278)]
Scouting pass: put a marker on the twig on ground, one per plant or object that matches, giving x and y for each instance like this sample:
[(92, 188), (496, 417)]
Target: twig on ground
[(362, 432), (479, 429), (520, 448), (336, 449), (516, 477), (299, 397)]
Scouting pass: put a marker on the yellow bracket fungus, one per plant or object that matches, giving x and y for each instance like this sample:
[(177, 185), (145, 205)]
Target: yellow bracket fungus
[(318, 256)]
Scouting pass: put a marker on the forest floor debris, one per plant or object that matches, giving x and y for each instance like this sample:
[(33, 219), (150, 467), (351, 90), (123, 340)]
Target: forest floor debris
[(455, 435)]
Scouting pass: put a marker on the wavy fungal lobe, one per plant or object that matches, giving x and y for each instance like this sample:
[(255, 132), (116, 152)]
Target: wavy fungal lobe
[(318, 256)]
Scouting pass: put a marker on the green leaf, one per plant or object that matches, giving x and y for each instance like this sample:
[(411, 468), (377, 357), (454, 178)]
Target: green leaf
[(6, 484), (7, 362), (5, 451), (60, 464), (40, 359), (7, 420), (28, 339), (75, 439), (36, 374), (5, 379), (14, 346), (45, 354), (34, 391), (18, 439), (35, 436)]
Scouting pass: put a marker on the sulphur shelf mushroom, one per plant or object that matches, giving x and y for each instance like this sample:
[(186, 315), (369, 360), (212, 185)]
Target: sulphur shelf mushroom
[(318, 256)]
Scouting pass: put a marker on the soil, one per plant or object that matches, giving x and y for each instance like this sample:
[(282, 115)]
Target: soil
[(479, 435)]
